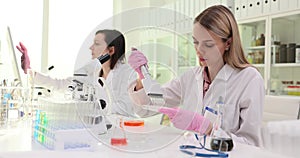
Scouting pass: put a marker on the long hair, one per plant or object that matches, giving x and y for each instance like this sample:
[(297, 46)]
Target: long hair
[(220, 20), (114, 38)]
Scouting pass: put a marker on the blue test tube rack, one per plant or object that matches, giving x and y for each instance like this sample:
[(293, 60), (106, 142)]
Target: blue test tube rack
[(59, 125)]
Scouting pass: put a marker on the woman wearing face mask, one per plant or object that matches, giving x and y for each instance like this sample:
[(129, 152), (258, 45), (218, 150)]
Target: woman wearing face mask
[(115, 72), (223, 73)]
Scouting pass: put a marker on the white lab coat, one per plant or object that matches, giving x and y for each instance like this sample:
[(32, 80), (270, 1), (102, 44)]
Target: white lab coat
[(243, 92), (117, 83)]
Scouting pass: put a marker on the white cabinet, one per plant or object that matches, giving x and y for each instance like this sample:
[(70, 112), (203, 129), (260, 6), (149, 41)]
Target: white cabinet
[(270, 44), (245, 9), (285, 72), (274, 6), (237, 9), (254, 7)]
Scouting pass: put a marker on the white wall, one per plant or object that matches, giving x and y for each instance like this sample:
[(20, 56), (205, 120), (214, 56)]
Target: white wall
[(70, 22), (25, 21)]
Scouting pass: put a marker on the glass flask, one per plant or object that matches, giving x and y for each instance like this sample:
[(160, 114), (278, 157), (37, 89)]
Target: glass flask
[(118, 136), (220, 137)]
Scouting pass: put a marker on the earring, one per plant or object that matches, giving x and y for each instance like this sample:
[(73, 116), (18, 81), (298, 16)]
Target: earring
[(227, 49)]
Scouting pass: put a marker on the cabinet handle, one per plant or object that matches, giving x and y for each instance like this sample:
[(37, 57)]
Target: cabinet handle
[(250, 5), (266, 2)]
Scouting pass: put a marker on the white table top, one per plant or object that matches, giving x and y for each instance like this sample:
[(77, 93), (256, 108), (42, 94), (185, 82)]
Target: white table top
[(150, 141)]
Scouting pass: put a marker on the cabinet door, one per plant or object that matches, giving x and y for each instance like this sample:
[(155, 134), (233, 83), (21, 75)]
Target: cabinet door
[(285, 63), (253, 41)]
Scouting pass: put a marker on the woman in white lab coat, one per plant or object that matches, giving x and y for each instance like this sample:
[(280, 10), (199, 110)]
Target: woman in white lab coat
[(115, 72), (224, 74)]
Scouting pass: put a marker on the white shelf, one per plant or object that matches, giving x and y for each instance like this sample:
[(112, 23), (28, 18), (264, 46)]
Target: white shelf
[(275, 46), (286, 65), (259, 65), (261, 47), (256, 48), (283, 96)]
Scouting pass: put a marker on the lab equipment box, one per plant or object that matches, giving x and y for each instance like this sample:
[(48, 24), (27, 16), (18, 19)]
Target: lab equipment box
[(14, 105)]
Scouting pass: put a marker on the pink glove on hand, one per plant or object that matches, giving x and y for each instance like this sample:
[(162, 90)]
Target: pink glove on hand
[(186, 120), (136, 60), (25, 62)]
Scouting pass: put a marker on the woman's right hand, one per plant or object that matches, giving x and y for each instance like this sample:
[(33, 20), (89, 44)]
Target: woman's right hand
[(187, 120), (25, 61), (136, 60)]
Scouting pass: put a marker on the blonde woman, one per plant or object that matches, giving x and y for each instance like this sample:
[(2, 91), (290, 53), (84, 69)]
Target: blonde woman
[(223, 73)]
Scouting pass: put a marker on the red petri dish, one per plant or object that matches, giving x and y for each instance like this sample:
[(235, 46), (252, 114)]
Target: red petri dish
[(134, 123)]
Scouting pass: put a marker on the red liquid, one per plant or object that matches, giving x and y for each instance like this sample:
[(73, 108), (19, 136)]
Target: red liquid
[(134, 123), (118, 141)]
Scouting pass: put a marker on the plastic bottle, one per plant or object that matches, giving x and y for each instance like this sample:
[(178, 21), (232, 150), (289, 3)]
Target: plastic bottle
[(258, 42), (262, 39), (250, 58), (297, 54), (253, 41), (283, 53), (291, 53)]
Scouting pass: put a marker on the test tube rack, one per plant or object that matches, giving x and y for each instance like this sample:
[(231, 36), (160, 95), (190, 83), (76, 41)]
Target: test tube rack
[(64, 125)]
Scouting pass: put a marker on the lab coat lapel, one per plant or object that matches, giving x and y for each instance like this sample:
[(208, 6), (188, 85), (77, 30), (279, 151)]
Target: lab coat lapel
[(199, 80), (224, 73), (109, 79), (218, 86)]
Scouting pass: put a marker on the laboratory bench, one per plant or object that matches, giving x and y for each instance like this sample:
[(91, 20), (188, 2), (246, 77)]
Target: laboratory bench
[(150, 140)]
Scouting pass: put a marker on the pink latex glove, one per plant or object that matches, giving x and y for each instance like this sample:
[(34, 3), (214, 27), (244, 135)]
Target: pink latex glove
[(186, 120), (136, 60), (25, 62)]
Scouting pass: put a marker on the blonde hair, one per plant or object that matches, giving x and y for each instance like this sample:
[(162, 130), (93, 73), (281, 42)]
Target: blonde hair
[(220, 20)]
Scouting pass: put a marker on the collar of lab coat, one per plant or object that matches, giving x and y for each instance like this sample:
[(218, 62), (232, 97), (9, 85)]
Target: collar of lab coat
[(112, 72), (119, 62), (223, 74)]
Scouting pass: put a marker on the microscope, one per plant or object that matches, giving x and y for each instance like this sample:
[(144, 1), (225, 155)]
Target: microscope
[(86, 87)]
